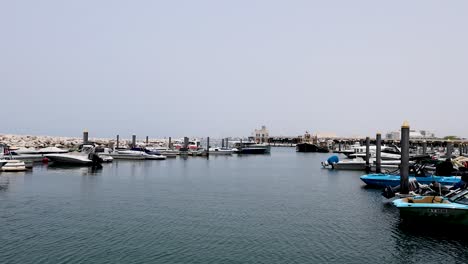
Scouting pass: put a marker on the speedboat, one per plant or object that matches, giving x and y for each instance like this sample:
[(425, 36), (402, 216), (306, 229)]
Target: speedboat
[(26, 155), (450, 210), (84, 157), (169, 153), (358, 164), (128, 155), (51, 150), (220, 151), (152, 154), (104, 154), (12, 165), (135, 155), (384, 180)]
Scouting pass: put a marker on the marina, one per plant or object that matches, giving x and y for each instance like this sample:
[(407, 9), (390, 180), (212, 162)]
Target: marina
[(267, 208), (233, 132), (235, 187)]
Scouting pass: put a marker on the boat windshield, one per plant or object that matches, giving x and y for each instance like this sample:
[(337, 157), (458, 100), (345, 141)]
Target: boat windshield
[(461, 197)]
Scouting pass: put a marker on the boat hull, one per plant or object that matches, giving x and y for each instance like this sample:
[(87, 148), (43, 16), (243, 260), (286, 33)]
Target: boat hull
[(384, 180), (432, 210), (253, 151), (127, 157), (69, 159), (308, 147)]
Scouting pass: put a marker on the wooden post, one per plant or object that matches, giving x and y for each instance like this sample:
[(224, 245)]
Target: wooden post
[(227, 143), (207, 146), (133, 141), (169, 145), (378, 161), (404, 166), (222, 143), (147, 140), (117, 144), (449, 149), (186, 141), (424, 147), (85, 137)]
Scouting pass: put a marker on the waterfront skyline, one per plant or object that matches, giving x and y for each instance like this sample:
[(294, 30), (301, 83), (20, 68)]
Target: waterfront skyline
[(224, 69)]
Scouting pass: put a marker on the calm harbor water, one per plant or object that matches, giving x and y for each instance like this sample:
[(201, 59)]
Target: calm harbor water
[(278, 208)]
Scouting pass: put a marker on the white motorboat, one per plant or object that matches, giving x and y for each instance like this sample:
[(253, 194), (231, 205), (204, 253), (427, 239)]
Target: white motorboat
[(220, 151), (151, 155), (104, 154), (12, 165), (360, 164), (84, 157), (128, 155), (135, 155), (51, 150), (169, 153), (9, 154)]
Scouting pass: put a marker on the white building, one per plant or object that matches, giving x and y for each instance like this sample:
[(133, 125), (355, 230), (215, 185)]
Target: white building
[(261, 135)]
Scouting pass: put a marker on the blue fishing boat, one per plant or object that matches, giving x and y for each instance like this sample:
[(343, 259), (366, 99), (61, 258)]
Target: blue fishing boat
[(384, 180), (449, 210)]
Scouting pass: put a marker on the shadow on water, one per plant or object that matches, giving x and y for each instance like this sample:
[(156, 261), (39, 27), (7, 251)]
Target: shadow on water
[(432, 230)]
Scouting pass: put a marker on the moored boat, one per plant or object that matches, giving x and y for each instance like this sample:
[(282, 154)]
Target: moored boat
[(85, 156), (384, 180), (251, 148), (220, 151), (449, 210), (12, 165)]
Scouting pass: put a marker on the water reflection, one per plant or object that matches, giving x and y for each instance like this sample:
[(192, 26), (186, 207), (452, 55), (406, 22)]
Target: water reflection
[(89, 170)]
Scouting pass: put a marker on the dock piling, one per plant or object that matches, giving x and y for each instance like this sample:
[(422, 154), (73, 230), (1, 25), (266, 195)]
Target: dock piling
[(133, 141), (169, 144), (378, 150), (207, 146), (147, 140), (85, 137), (367, 154), (227, 143), (186, 141), (449, 149), (424, 147), (404, 166), (117, 143)]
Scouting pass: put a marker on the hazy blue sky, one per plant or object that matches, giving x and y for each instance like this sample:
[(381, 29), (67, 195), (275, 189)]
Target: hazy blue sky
[(223, 68)]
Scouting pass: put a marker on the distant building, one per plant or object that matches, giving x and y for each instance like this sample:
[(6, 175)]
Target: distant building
[(261, 135), (414, 134)]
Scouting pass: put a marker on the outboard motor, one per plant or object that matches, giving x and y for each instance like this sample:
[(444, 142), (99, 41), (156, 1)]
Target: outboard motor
[(331, 161)]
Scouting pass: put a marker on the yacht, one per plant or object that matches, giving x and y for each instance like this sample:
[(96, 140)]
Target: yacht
[(84, 157)]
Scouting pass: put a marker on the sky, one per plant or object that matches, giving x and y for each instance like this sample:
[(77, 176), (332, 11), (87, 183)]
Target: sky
[(224, 68)]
